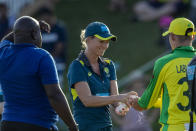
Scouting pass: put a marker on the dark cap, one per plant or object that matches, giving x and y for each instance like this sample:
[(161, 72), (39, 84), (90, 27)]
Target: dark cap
[(99, 30)]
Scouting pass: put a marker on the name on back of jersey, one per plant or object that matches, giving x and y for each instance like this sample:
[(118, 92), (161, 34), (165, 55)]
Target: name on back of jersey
[(181, 68)]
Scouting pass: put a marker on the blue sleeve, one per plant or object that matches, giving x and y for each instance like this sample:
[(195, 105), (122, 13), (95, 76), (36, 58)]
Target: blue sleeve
[(47, 70), (5, 43), (112, 71), (76, 73)]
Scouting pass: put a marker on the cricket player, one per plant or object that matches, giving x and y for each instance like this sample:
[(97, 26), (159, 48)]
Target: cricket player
[(169, 79)]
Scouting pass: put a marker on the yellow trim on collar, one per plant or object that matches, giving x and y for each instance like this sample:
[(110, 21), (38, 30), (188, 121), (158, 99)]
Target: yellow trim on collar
[(82, 62), (107, 61)]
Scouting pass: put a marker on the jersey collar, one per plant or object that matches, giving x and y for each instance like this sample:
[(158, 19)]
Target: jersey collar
[(25, 45), (186, 48), (83, 57)]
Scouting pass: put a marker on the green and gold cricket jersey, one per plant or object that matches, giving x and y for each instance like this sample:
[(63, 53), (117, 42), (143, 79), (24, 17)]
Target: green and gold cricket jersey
[(170, 83)]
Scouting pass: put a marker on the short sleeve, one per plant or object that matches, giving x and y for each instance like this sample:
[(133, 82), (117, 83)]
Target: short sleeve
[(153, 91), (112, 71), (76, 73), (47, 70)]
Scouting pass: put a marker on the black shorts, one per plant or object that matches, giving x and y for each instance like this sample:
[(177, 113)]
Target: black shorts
[(20, 126)]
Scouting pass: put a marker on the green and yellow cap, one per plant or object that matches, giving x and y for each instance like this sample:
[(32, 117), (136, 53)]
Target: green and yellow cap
[(181, 26), (99, 30)]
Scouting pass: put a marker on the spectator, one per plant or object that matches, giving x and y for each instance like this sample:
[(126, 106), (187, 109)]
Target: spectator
[(36, 5), (117, 5), (154, 9), (192, 11), (27, 7), (16, 6), (164, 23), (4, 20), (56, 41)]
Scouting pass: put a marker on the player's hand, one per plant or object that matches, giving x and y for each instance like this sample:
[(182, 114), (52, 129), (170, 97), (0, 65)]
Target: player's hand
[(125, 98), (44, 26), (133, 93), (133, 100)]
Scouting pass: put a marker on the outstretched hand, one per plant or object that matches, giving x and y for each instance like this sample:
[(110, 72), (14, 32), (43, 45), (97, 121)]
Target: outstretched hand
[(133, 100), (44, 26), (134, 103), (125, 103), (125, 98)]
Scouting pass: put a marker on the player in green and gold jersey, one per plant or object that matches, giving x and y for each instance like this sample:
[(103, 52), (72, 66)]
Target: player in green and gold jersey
[(169, 80)]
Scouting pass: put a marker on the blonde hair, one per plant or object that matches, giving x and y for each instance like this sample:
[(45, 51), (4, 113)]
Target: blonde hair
[(83, 39)]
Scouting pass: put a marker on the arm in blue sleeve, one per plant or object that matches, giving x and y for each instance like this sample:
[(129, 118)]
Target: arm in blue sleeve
[(47, 70)]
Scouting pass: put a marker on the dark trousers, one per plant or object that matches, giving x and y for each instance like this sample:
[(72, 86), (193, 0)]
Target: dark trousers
[(108, 128), (20, 126)]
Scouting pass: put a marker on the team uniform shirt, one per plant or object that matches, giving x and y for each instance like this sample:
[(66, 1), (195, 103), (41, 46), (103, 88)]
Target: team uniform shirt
[(81, 71), (170, 83), (24, 69)]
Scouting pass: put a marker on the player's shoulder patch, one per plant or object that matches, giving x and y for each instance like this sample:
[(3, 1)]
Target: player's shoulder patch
[(108, 61)]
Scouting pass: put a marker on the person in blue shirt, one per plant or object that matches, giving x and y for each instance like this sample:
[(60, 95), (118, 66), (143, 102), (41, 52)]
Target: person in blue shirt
[(92, 81), (29, 81), (55, 42)]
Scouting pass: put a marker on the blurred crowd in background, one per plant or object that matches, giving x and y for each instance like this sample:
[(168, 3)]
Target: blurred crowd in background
[(162, 10), (56, 42)]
